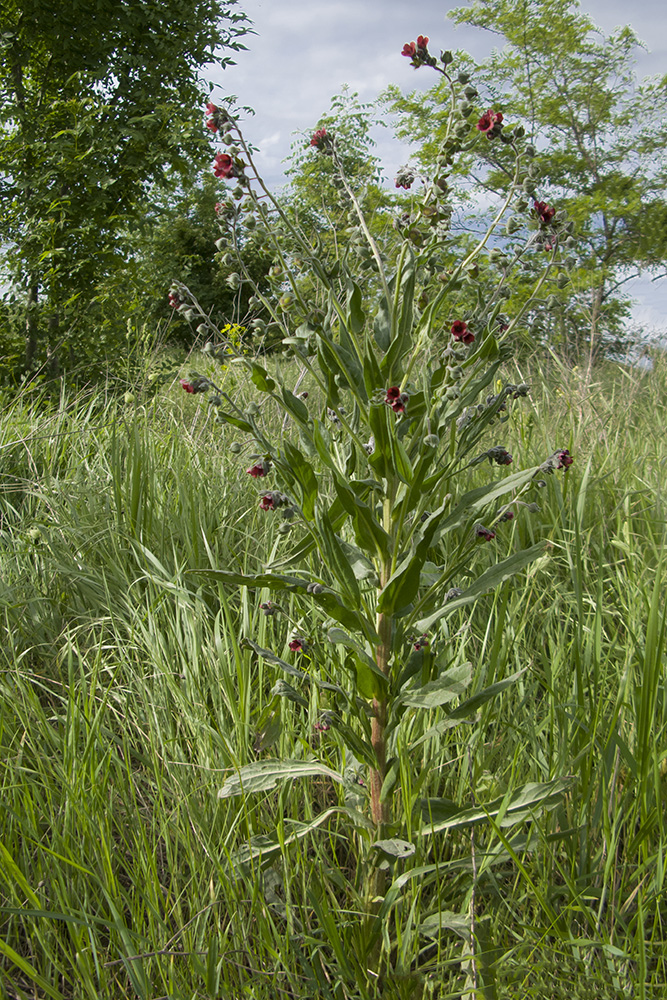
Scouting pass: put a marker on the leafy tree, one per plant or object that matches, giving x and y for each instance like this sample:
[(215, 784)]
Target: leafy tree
[(99, 106), (600, 134)]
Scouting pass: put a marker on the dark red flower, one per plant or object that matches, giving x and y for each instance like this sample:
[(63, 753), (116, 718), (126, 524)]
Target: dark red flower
[(298, 646), (260, 469), (490, 123), (223, 166), (320, 139), (267, 502), (461, 332), (544, 212), (396, 399), (174, 300), (499, 455), (210, 123), (484, 533), (422, 42), (421, 643), (211, 108), (563, 458), (188, 386), (409, 49), (405, 178)]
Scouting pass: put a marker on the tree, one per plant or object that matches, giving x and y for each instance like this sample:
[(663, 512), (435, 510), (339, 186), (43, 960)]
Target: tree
[(600, 136), (100, 105)]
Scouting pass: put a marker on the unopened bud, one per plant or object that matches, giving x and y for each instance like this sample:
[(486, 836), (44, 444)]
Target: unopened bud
[(463, 77), (235, 448), (234, 281), (562, 280), (471, 92), (447, 57)]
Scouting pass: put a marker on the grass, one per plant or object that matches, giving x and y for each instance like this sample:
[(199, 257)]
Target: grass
[(126, 698)]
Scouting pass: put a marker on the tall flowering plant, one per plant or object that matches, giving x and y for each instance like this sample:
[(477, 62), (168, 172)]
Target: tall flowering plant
[(366, 471)]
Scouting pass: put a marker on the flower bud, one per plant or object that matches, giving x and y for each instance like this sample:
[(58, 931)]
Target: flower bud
[(471, 92), (529, 151), (284, 528), (431, 441), (463, 77), (234, 281), (562, 280), (447, 57), (235, 448), (452, 392), (221, 243), (253, 409)]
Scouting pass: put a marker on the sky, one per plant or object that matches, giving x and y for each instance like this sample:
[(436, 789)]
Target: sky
[(305, 51)]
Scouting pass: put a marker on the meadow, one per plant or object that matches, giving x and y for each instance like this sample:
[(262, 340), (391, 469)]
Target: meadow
[(127, 696)]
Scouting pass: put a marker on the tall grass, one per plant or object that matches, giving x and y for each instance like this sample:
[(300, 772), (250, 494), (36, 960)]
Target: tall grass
[(126, 697)]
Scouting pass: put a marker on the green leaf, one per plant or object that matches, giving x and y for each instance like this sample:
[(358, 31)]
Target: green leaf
[(271, 657), (302, 471), (282, 689), (512, 808), (231, 418), (382, 326), (356, 318), (445, 688), (262, 776), (343, 362), (395, 847), (361, 565), (472, 503), (261, 378), (296, 407), (445, 920), (334, 555), (489, 580), (340, 636), (401, 587)]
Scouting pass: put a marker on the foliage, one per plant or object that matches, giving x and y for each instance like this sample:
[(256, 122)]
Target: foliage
[(95, 110), (600, 135)]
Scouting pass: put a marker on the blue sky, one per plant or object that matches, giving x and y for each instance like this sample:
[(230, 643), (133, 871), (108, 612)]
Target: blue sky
[(305, 51)]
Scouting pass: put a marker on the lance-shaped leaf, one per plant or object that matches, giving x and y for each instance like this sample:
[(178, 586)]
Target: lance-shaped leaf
[(356, 318), (302, 471), (343, 362), (261, 378), (368, 532), (401, 588), (471, 504), (515, 807), (444, 689), (489, 580), (296, 407), (404, 304), (330, 546), (338, 635), (382, 326), (463, 712), (263, 775)]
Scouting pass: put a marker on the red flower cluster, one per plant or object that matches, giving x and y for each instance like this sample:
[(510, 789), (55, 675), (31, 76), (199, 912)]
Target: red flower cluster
[(491, 123), (485, 533), (421, 643), (405, 178), (298, 646), (461, 332), (188, 386), (320, 139), (211, 123), (174, 300), (396, 399), (544, 212), (563, 458), (223, 166), (499, 455), (260, 469), (267, 502), (416, 50)]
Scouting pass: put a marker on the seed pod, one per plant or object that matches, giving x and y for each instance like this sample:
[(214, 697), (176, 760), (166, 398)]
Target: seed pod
[(234, 281), (235, 448)]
